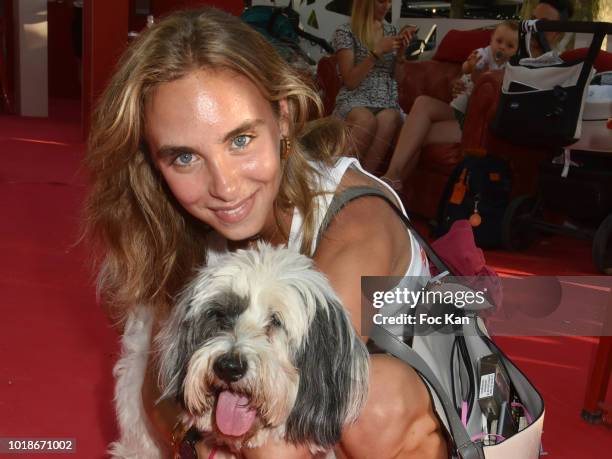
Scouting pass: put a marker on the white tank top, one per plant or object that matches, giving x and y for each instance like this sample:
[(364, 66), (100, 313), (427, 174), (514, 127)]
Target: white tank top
[(329, 181)]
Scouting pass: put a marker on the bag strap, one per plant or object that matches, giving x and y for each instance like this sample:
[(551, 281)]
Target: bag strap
[(533, 27), (276, 12), (598, 37), (343, 198), (527, 32), (466, 448)]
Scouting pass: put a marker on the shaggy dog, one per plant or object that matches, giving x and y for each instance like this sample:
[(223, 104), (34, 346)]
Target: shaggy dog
[(258, 347)]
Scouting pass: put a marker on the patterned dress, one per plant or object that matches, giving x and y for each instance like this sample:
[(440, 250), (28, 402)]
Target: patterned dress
[(378, 89)]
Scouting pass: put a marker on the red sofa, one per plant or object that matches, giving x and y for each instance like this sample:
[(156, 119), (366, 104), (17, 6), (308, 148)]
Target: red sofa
[(434, 77)]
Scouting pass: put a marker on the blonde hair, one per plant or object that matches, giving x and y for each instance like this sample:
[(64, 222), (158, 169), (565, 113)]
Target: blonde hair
[(362, 22), (510, 24), (149, 244)]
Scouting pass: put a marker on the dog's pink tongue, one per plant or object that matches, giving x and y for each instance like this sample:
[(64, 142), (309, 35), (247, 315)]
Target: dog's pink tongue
[(234, 417)]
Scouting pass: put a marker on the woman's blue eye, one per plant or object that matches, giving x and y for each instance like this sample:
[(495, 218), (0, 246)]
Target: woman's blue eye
[(184, 159), (241, 141)]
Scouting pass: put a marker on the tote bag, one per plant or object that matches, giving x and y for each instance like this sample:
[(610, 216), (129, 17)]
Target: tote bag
[(542, 99)]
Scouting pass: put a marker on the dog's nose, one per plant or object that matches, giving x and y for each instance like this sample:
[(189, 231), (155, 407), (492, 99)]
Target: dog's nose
[(230, 367)]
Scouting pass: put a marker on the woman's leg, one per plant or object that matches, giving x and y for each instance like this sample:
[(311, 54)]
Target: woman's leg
[(362, 125), (388, 121), (422, 124)]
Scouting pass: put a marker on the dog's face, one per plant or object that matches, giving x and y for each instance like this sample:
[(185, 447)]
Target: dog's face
[(259, 344)]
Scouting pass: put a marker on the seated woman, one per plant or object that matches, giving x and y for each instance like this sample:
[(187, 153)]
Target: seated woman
[(370, 53), (433, 121), (202, 144)]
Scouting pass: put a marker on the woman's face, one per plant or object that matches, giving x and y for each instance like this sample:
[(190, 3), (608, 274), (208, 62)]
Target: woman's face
[(381, 8), (545, 11), (215, 139)]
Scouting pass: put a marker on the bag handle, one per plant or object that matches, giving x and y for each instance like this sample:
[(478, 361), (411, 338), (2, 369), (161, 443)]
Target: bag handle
[(466, 448), (544, 25), (352, 193), (538, 26), (590, 59), (528, 31)]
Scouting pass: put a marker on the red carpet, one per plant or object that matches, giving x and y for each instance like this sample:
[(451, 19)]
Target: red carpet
[(57, 351), (558, 366)]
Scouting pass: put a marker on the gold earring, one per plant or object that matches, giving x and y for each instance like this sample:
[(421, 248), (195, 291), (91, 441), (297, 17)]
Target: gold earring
[(285, 147)]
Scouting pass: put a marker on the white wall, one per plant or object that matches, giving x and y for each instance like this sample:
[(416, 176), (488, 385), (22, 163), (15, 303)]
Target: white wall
[(328, 21), (31, 37)]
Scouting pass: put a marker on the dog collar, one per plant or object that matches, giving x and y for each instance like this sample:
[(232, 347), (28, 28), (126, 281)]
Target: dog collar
[(184, 443)]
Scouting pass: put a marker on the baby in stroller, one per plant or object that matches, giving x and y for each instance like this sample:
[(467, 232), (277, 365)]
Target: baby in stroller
[(503, 45)]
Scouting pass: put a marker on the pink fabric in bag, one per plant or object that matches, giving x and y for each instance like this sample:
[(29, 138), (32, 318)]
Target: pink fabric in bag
[(458, 250)]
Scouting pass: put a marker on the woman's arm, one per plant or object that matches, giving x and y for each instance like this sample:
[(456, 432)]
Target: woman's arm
[(399, 69), (164, 415), (366, 238), (405, 36), (352, 75)]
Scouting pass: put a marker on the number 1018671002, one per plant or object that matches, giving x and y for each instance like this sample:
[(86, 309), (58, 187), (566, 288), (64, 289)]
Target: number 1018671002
[(37, 445)]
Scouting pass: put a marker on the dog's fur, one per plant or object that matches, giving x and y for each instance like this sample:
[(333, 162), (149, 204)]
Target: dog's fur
[(306, 369)]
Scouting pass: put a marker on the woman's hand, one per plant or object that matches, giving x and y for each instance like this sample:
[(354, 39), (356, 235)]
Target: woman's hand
[(406, 33), (405, 36), (387, 44)]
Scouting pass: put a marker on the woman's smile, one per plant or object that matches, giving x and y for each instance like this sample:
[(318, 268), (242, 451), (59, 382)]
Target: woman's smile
[(236, 213)]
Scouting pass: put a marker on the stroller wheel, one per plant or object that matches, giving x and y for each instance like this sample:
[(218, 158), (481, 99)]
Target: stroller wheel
[(602, 246), (517, 231)]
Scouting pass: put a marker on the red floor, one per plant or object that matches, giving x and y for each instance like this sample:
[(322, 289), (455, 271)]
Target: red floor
[(57, 351)]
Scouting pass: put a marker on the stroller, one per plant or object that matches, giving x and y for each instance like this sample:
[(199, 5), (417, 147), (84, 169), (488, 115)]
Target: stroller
[(565, 105)]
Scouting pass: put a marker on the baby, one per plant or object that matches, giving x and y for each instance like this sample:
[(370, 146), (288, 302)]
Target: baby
[(503, 45)]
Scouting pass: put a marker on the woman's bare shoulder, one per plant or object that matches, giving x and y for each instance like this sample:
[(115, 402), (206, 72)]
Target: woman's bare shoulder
[(368, 228)]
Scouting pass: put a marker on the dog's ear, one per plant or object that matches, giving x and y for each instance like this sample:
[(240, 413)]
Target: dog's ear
[(178, 339), (334, 370), (174, 348)]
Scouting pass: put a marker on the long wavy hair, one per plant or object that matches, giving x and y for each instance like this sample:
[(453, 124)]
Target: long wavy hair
[(362, 22), (147, 244)]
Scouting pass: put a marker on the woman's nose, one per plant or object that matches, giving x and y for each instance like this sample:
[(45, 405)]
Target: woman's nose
[(224, 180)]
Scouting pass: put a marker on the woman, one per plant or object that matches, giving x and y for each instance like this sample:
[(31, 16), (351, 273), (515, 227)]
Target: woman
[(370, 55), (202, 143), (433, 121), (552, 10)]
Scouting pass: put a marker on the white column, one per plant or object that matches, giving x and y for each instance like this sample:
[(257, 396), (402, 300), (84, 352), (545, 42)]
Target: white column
[(31, 38)]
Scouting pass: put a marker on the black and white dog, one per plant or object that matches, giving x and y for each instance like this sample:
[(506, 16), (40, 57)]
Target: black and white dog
[(258, 346)]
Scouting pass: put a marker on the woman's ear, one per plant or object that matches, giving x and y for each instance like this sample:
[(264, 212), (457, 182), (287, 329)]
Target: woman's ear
[(284, 117)]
